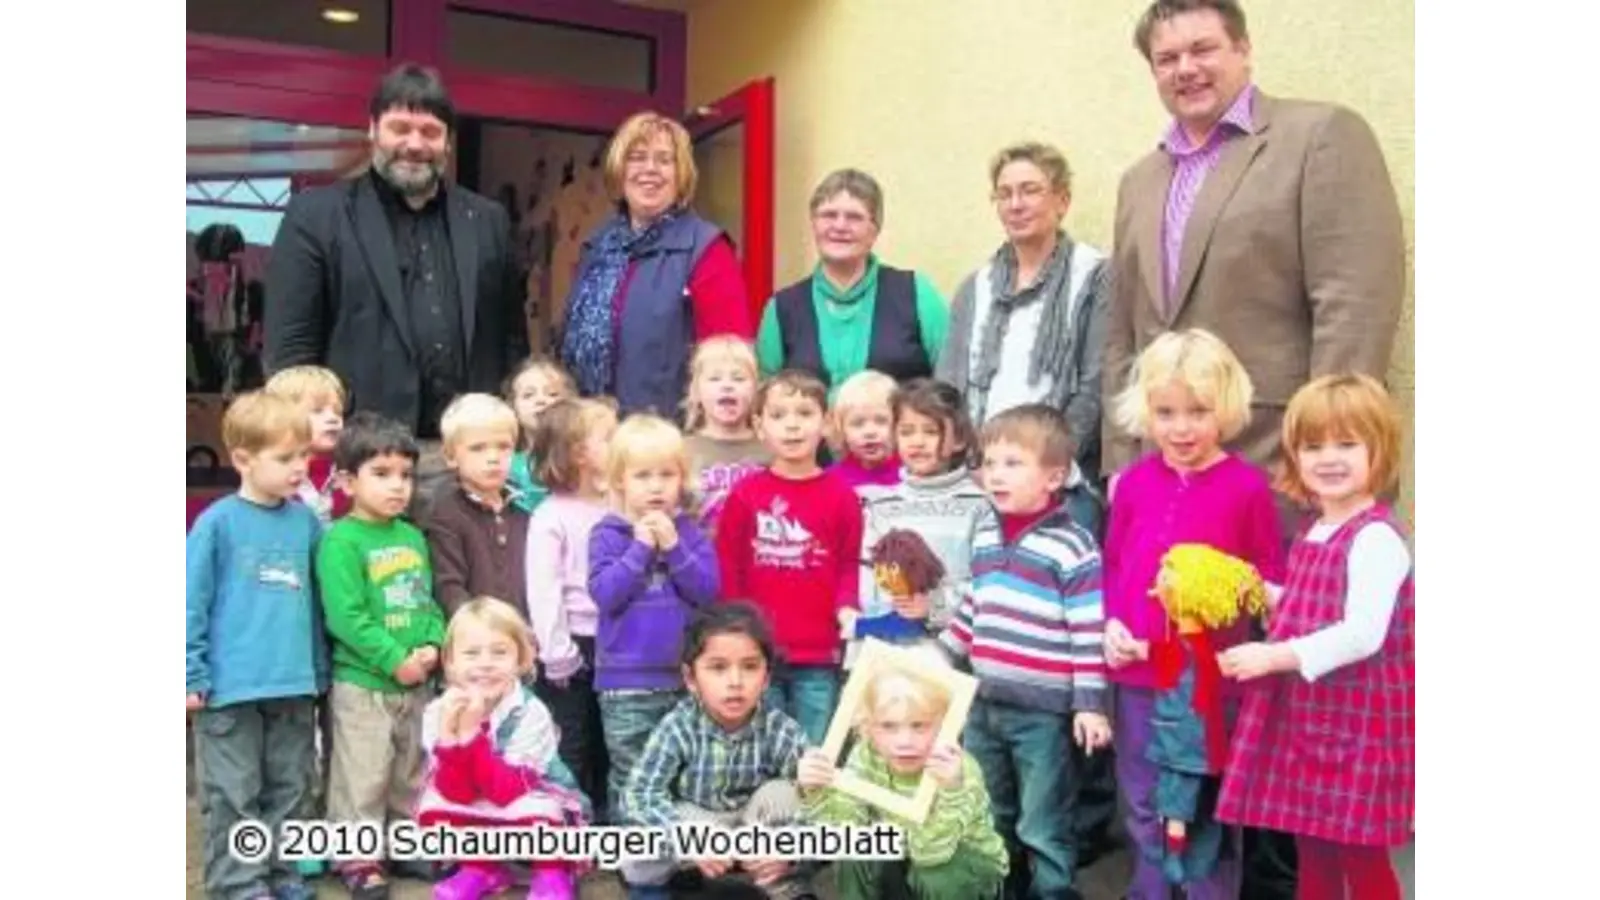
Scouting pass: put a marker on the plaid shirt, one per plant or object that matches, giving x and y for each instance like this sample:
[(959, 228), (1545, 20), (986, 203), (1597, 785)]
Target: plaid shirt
[(691, 759)]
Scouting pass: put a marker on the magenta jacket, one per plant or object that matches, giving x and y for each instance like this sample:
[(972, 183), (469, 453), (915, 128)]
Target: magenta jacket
[(1229, 506)]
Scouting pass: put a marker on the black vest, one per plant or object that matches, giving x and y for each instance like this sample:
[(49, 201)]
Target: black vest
[(895, 347)]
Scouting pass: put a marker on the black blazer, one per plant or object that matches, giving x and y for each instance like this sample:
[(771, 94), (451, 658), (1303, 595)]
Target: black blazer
[(334, 298)]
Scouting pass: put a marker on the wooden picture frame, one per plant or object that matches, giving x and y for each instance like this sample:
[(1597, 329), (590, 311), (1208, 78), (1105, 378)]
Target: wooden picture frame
[(874, 655)]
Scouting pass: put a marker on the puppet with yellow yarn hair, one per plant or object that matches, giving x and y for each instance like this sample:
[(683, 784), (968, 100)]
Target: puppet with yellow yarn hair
[(1202, 590)]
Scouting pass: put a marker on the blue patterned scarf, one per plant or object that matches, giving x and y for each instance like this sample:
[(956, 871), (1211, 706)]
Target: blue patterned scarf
[(588, 345)]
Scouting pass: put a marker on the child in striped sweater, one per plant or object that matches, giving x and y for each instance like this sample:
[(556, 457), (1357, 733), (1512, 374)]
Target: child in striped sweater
[(1031, 627)]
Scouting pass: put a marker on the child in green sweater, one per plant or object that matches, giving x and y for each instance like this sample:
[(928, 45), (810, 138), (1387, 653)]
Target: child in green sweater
[(955, 853), (386, 629)]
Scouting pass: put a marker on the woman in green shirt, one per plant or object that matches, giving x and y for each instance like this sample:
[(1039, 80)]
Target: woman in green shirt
[(852, 312)]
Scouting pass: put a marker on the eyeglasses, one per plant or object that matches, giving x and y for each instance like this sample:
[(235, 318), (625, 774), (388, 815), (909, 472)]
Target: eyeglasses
[(1030, 192), (848, 218)]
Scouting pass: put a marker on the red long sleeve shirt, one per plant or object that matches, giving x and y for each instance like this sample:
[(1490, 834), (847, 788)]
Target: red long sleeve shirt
[(793, 548)]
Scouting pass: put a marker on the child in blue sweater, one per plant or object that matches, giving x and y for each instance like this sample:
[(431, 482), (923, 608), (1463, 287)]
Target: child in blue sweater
[(1031, 626), (256, 655), (650, 568)]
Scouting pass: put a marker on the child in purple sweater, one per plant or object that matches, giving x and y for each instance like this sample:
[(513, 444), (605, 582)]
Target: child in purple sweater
[(650, 568), (1188, 394)]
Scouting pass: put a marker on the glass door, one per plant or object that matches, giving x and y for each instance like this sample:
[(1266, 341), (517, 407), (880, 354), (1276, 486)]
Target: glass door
[(735, 154)]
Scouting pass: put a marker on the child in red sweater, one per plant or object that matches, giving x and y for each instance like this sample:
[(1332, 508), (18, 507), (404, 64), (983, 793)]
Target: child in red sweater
[(319, 392), (790, 542)]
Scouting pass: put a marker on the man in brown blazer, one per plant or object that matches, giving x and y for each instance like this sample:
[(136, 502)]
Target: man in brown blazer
[(1269, 222)]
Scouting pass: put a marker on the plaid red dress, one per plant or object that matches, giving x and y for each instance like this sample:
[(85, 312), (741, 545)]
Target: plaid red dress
[(1333, 759)]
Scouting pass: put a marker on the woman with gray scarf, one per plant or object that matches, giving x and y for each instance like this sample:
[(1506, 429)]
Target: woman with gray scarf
[(1029, 325)]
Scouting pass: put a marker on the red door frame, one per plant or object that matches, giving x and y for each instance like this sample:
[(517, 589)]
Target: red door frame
[(752, 105)]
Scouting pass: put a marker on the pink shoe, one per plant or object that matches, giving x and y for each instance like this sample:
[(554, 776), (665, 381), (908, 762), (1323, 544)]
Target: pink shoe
[(551, 883), (473, 881)]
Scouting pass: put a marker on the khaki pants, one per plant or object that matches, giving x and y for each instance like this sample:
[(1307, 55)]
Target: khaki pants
[(377, 753), (774, 803)]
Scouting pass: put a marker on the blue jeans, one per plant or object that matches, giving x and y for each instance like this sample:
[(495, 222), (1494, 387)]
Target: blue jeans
[(1026, 756), (627, 719), (808, 694)]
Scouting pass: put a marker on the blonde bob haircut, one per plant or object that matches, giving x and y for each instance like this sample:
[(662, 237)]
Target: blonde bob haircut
[(639, 129), (1198, 360), (476, 412), (896, 687), (868, 387), (258, 420), (499, 617), (307, 384), (724, 349), (643, 439), (1348, 407)]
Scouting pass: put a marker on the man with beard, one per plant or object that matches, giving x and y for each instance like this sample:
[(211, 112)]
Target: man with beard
[(402, 284)]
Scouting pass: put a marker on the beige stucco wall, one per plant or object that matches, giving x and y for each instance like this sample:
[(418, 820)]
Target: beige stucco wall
[(922, 92)]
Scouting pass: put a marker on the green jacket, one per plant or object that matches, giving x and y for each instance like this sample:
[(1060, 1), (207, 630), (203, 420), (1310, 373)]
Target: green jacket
[(377, 599), (958, 822)]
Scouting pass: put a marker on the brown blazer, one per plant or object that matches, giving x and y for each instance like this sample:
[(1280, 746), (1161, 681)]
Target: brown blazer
[(1293, 255)]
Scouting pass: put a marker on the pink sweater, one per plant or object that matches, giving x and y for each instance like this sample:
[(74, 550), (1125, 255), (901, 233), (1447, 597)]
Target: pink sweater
[(1228, 506), (558, 580)]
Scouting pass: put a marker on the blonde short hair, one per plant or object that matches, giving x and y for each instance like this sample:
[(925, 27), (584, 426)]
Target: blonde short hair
[(1348, 406), (644, 438), (726, 348), (307, 384), (1051, 161), (498, 616), (640, 128), (899, 685), (258, 420), (864, 388), (1200, 361), (475, 412)]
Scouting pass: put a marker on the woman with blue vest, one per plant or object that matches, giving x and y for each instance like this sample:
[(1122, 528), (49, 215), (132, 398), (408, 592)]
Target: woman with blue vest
[(852, 312), (653, 280)]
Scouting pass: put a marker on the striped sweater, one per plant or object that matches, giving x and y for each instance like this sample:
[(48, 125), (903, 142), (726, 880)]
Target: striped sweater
[(1032, 622)]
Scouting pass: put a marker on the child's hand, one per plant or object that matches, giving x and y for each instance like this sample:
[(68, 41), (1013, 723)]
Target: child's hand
[(451, 704), (847, 622), (666, 531), (713, 868), (194, 702), (1091, 731), (816, 769), (428, 655), (1256, 659), (643, 532), (1120, 646), (765, 871), (912, 607), (944, 764), (411, 672), (473, 712)]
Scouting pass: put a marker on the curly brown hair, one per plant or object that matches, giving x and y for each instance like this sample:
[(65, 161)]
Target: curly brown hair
[(907, 551)]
